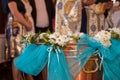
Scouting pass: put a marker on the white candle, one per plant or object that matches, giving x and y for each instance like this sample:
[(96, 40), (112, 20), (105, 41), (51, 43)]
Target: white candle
[(114, 1)]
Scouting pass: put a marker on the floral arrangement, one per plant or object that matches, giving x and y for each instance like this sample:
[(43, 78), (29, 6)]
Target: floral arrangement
[(115, 33), (28, 39), (36, 38), (104, 36), (55, 39)]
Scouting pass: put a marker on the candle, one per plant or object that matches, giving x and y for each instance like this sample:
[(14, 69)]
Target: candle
[(114, 1)]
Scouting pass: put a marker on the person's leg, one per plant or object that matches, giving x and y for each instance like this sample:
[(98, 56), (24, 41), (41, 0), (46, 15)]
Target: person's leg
[(28, 77), (16, 73), (42, 75), (39, 77)]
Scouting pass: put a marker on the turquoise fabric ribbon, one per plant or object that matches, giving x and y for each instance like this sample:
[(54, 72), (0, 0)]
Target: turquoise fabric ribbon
[(35, 57), (58, 68), (110, 56)]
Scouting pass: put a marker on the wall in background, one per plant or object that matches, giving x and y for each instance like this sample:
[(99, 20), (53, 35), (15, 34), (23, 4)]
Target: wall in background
[(2, 20)]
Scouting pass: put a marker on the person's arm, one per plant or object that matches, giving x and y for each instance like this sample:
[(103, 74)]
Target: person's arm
[(18, 16)]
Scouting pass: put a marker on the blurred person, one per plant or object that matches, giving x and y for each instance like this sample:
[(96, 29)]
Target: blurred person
[(115, 15), (86, 12), (92, 16), (112, 14), (108, 12), (43, 14), (20, 22), (41, 20), (107, 4), (68, 16)]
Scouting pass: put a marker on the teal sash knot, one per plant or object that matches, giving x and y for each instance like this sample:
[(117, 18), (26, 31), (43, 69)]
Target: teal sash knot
[(35, 57), (110, 56)]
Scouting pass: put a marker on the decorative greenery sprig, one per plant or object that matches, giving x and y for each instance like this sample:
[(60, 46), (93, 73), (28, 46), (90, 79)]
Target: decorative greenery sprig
[(115, 33)]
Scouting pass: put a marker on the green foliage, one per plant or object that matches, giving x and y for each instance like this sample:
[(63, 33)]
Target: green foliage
[(35, 38), (115, 35)]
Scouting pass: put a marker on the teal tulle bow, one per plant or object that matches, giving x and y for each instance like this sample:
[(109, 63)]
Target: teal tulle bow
[(35, 57), (110, 56)]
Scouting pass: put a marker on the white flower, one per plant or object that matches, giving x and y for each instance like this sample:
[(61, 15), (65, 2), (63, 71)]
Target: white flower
[(75, 36), (106, 43), (103, 37), (78, 34), (116, 30), (58, 39), (55, 39), (70, 33), (54, 35)]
